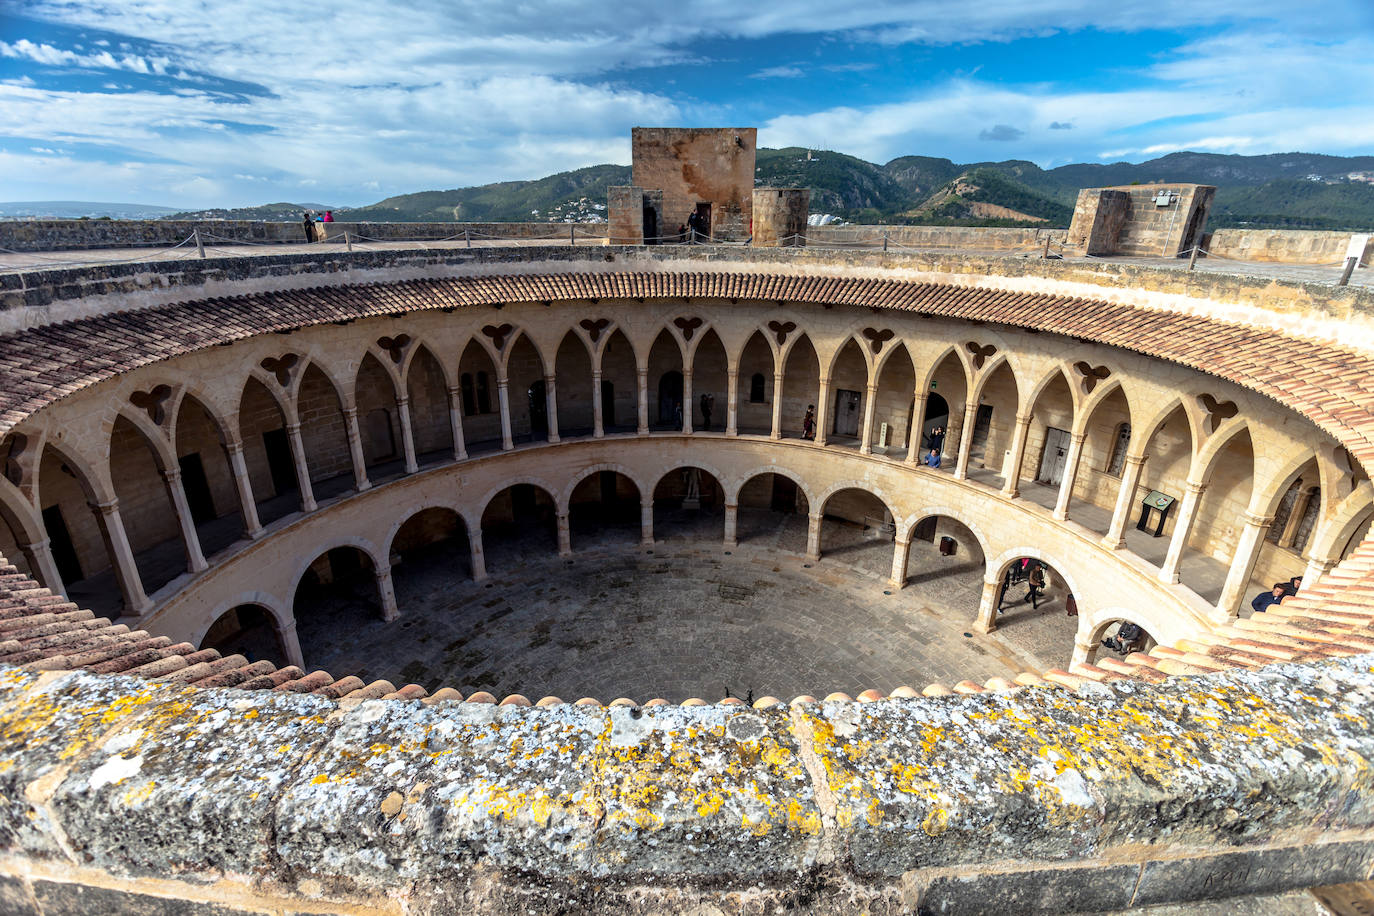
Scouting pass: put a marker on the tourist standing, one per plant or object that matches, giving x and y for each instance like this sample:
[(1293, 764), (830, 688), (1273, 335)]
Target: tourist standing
[(708, 401), (809, 422)]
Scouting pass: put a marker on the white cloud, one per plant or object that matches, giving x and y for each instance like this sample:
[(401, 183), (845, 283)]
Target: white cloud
[(769, 73)]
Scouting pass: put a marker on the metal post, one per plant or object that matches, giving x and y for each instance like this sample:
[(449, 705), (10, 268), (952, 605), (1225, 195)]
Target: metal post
[(1345, 274), (1192, 258), (1045, 256), (200, 246), (467, 238), (348, 243), (572, 233), (884, 240)]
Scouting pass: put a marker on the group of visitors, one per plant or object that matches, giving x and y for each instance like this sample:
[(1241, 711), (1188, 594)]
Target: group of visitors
[(936, 442), (1281, 590), (695, 228), (1032, 572), (309, 218)]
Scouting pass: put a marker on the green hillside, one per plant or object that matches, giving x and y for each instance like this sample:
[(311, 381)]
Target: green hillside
[(1282, 190)]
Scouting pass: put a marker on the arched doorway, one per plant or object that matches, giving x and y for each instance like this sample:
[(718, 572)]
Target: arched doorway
[(519, 520), (145, 505), (689, 504), (537, 397), (670, 400), (337, 604), (432, 541), (603, 510), (1045, 623), (947, 558), (857, 528), (772, 513), (246, 630)]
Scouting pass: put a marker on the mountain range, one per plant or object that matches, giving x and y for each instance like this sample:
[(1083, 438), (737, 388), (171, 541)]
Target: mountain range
[(1281, 190)]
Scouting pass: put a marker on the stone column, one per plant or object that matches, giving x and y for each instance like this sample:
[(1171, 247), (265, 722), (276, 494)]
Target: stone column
[(1084, 653), (687, 402), (386, 593), (247, 504), (407, 435), (564, 536), (986, 621), (39, 555), (1316, 568), (1011, 487), (455, 422), (478, 558), (731, 524), (870, 408), (1248, 547), (1187, 509), (918, 420), (126, 572), (290, 644), (1290, 527), (646, 522), (732, 401), (293, 436), (813, 538), (901, 553), (355, 450), (195, 559), (822, 410), (642, 380), (598, 421), (551, 406), (966, 440), (1061, 505), (1125, 502), (777, 405), (503, 396)]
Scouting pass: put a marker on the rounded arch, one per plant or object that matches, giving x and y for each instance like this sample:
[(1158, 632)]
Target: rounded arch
[(249, 629), (484, 502), (414, 509), (732, 487), (566, 493), (1092, 625), (818, 507), (908, 525), (362, 544), (997, 566), (700, 465), (270, 603)]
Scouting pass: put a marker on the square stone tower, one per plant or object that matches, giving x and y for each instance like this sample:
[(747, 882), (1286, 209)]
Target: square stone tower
[(1143, 221), (704, 170)]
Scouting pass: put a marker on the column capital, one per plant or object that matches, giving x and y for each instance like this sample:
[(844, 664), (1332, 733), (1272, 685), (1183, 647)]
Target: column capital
[(171, 475), (1024, 419), (1194, 488), (288, 627), (107, 508), (1078, 438), (233, 447), (1258, 521), (402, 400), (550, 379), (502, 382), (40, 544), (293, 429), (350, 413), (1137, 460), (454, 391)]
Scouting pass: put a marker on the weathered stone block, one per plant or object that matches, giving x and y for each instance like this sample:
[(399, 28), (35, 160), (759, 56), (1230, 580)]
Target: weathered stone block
[(1073, 889), (1253, 872)]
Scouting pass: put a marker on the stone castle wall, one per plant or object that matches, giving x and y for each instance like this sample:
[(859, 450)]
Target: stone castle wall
[(692, 165)]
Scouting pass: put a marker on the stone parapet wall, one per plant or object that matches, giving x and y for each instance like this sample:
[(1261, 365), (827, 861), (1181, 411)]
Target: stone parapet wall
[(78, 234), (962, 238), (1286, 246), (119, 791)]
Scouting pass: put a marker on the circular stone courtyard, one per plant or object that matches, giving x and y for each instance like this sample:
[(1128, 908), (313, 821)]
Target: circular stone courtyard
[(685, 618)]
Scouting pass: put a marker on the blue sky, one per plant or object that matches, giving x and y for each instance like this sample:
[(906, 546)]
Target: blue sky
[(344, 102)]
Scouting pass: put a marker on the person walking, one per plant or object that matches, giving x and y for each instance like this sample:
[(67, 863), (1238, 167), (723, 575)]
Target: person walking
[(809, 422), (1036, 583)]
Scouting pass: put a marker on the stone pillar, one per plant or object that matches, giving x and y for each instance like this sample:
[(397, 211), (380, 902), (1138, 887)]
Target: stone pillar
[(1011, 487), (503, 396), (986, 620), (870, 408), (564, 536), (355, 450), (1125, 502), (407, 435), (290, 644), (478, 558), (732, 401), (901, 552), (777, 405), (126, 572), (455, 422), (551, 406), (39, 555), (646, 522), (1290, 527), (598, 421), (293, 436), (642, 379), (1248, 547), (687, 402), (813, 538), (1061, 505), (731, 524), (386, 593), (1084, 653), (1187, 509), (247, 504), (195, 559), (966, 440), (1316, 568), (822, 410), (918, 420)]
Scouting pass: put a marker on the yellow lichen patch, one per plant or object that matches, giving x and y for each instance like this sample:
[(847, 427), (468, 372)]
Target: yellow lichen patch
[(936, 822), (709, 803), (251, 714), (320, 779), (144, 792)]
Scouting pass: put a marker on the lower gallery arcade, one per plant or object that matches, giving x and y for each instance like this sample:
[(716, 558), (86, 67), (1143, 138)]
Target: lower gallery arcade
[(567, 453)]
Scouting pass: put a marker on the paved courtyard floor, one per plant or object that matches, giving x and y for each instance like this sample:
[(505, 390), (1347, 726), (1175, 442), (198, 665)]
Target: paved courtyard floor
[(684, 618)]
